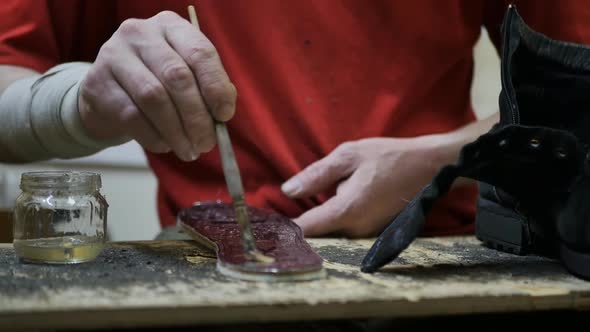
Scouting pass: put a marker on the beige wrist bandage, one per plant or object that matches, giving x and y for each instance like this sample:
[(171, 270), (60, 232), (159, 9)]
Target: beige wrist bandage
[(39, 117)]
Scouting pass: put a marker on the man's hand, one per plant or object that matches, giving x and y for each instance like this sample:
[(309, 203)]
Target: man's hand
[(375, 179), (155, 81)]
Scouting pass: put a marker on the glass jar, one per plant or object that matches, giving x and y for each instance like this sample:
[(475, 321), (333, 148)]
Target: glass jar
[(60, 217)]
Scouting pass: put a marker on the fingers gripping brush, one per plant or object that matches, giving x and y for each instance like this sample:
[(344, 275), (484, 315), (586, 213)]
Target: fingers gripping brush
[(280, 253)]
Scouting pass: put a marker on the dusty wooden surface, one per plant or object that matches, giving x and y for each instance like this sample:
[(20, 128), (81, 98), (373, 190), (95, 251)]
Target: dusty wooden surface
[(174, 282)]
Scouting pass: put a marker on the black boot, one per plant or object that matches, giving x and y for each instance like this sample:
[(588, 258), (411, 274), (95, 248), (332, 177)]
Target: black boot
[(532, 165)]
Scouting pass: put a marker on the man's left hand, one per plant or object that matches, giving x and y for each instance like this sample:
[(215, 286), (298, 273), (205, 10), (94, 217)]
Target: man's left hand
[(375, 179)]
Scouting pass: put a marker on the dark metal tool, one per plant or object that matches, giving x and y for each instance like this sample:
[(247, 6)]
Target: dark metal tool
[(236, 191), (234, 181)]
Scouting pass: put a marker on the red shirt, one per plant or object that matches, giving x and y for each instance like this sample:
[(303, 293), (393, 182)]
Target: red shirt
[(310, 76)]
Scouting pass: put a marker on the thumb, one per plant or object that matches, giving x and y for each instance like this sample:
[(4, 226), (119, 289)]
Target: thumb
[(320, 175), (343, 214), (326, 218)]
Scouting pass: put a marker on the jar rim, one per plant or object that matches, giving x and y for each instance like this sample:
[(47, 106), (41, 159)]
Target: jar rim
[(73, 180)]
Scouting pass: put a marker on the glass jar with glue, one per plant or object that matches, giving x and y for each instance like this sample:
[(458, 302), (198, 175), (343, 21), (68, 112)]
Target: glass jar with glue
[(60, 217)]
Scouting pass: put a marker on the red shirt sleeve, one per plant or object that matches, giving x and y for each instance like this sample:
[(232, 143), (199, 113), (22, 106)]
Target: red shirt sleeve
[(26, 35), (566, 20)]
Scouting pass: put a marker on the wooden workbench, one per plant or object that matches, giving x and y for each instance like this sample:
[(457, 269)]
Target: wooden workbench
[(174, 282)]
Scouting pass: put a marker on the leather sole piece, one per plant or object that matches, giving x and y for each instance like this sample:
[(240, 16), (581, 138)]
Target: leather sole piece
[(214, 225)]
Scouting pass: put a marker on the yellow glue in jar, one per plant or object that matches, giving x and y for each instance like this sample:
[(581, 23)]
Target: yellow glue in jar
[(60, 217)]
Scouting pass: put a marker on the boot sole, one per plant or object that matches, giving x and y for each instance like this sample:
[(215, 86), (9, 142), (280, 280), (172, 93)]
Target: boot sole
[(500, 228)]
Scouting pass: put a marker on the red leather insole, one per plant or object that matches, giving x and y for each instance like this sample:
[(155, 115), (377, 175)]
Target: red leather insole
[(276, 236)]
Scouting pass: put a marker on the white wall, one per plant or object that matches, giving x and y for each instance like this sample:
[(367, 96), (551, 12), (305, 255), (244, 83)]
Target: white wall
[(486, 81), (130, 187)]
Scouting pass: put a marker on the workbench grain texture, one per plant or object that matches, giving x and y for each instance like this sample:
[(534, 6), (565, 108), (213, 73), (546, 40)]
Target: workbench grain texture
[(175, 283)]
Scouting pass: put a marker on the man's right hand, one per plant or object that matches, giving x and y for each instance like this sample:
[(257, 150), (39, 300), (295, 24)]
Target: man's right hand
[(161, 82)]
